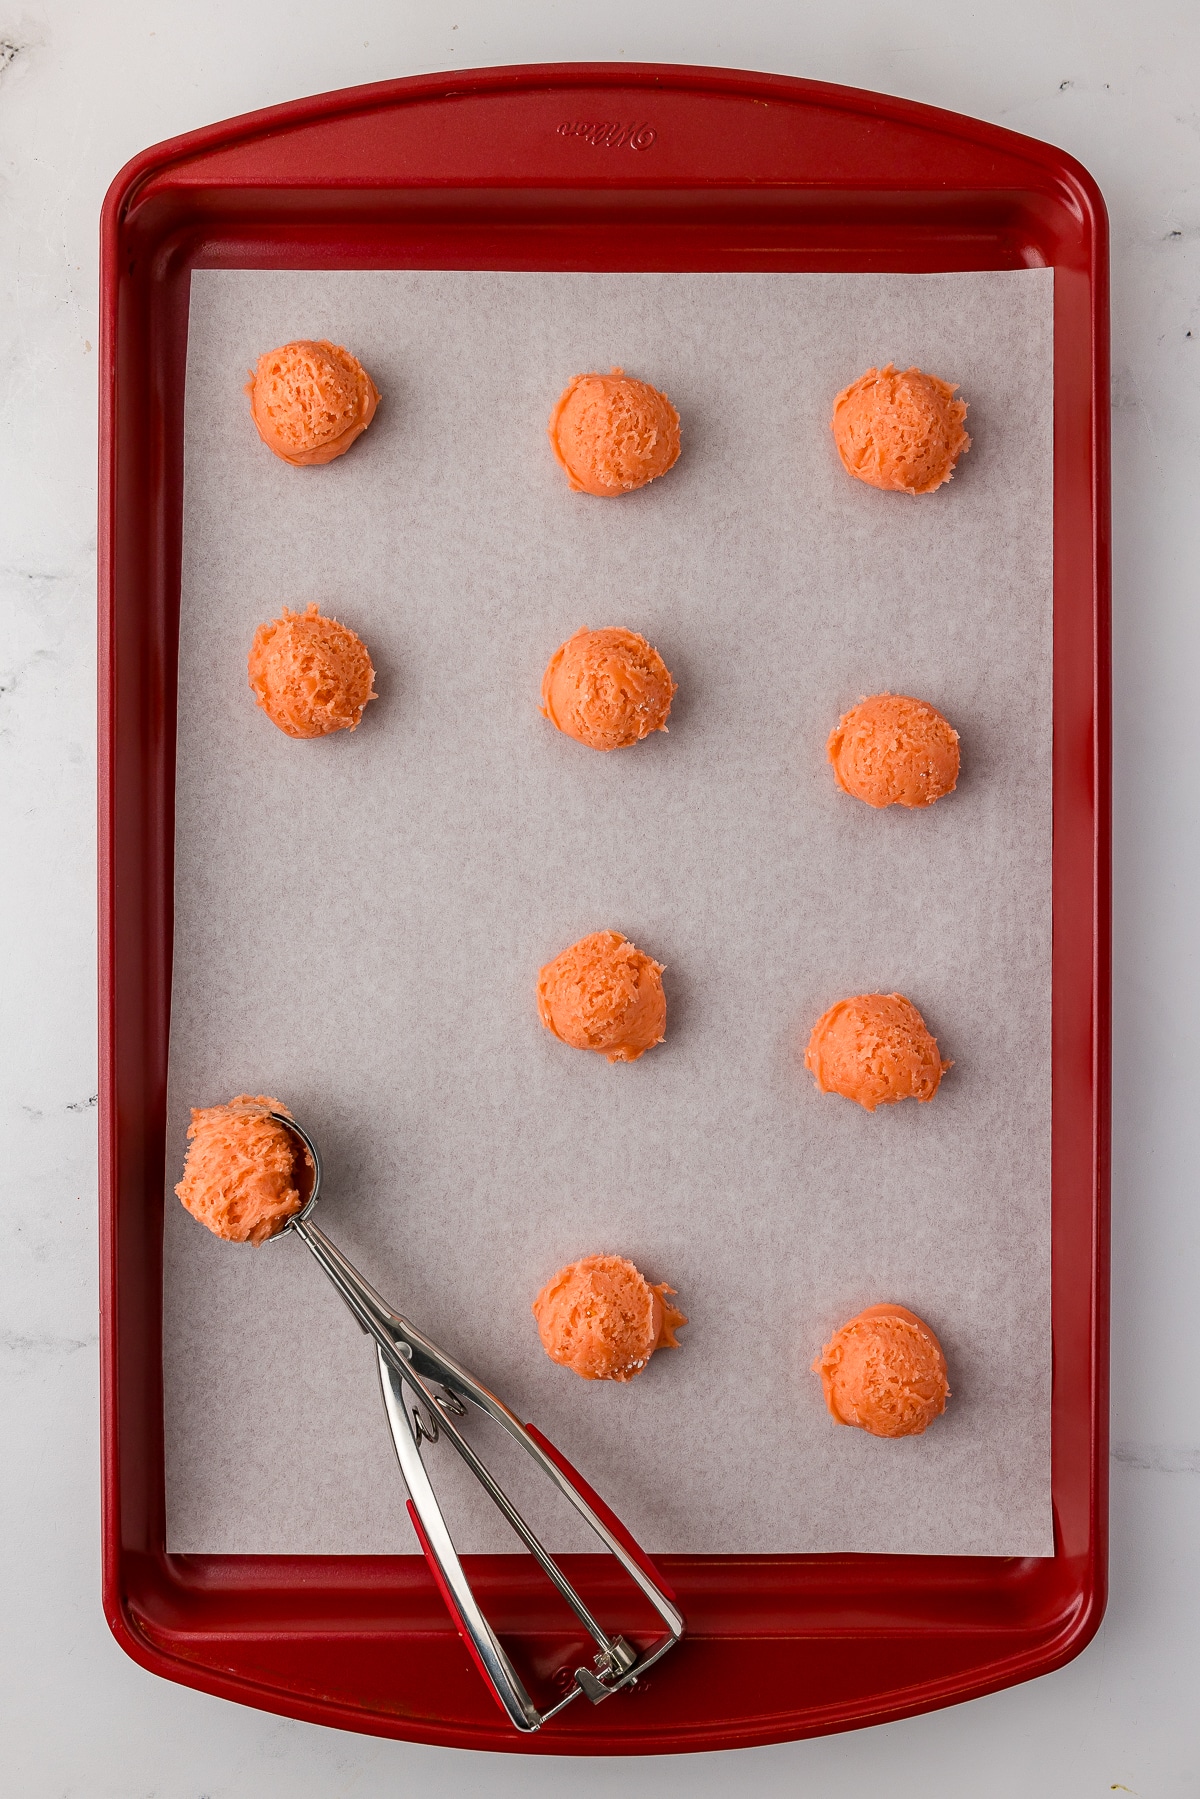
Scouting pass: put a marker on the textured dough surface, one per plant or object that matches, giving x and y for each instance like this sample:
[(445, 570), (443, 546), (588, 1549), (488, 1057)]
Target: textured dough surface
[(900, 430), (875, 1049), (613, 433), (885, 1372), (892, 750), (310, 674), (239, 1177), (601, 1317), (607, 688), (310, 400), (604, 995)]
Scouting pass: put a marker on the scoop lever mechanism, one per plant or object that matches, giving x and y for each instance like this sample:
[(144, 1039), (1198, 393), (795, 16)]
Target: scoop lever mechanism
[(426, 1394)]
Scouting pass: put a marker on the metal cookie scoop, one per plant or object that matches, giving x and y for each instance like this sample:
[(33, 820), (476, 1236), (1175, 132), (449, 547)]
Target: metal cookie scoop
[(410, 1369)]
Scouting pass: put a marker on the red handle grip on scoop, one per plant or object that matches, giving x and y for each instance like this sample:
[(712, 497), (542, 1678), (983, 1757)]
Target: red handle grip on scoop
[(629, 1544)]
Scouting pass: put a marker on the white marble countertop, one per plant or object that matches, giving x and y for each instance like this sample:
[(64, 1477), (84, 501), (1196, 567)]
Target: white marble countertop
[(82, 87)]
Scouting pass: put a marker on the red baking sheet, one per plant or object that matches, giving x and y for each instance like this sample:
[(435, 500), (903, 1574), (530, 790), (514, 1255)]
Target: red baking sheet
[(612, 167)]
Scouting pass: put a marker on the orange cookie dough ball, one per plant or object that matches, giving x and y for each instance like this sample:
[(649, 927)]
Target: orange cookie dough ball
[(607, 688), (603, 1319), (875, 1049), (884, 1371), (891, 750), (612, 434), (240, 1175), (309, 674), (603, 994), (900, 431), (310, 400)]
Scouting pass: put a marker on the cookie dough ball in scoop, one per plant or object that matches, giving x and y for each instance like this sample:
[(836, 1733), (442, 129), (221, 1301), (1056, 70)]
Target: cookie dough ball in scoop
[(900, 431), (310, 400), (607, 688), (310, 674), (241, 1174), (612, 434), (891, 750), (875, 1049), (604, 995), (603, 1319), (884, 1371)]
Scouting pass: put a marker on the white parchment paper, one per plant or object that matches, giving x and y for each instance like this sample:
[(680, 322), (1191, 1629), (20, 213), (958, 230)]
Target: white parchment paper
[(359, 921)]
